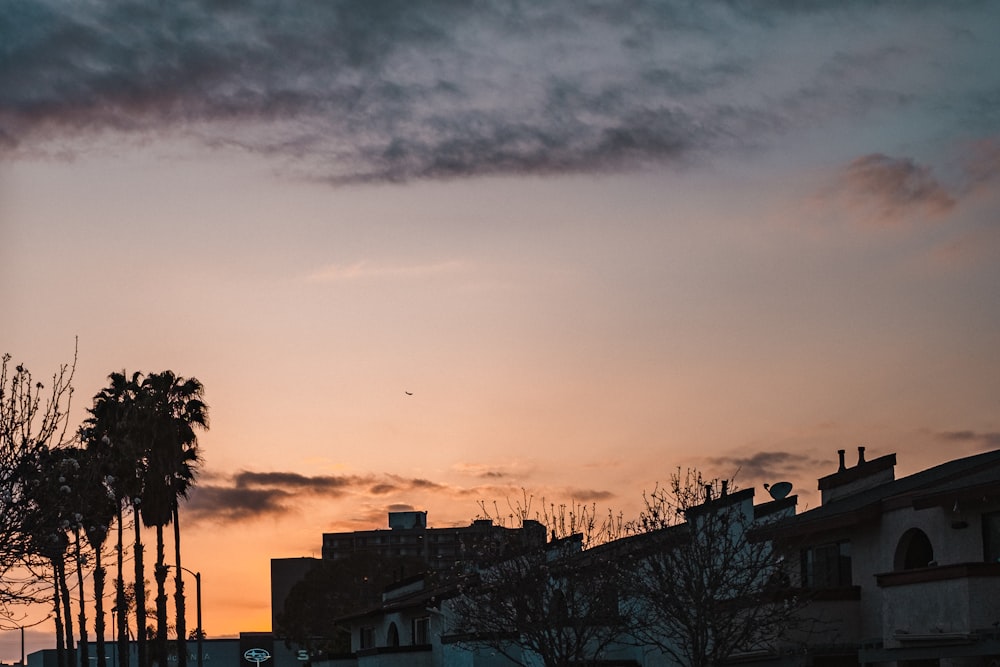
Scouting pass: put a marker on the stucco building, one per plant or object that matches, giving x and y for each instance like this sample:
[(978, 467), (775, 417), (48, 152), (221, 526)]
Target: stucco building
[(897, 572)]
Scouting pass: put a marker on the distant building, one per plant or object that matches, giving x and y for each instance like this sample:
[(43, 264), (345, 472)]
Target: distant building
[(285, 573), (439, 548), (407, 536)]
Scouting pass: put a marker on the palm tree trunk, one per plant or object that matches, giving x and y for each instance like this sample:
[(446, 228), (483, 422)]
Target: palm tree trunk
[(120, 604), (81, 592), (57, 607), (160, 647), (181, 622), (140, 594), (67, 611), (99, 575)]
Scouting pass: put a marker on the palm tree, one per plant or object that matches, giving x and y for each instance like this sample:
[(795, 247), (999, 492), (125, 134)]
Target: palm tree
[(112, 430), (97, 509), (174, 408), (146, 427)]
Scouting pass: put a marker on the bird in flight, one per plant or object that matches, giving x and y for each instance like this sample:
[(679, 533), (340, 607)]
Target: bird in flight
[(408, 393)]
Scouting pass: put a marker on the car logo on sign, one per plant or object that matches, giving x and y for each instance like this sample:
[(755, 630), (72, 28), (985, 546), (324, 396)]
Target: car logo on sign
[(256, 655)]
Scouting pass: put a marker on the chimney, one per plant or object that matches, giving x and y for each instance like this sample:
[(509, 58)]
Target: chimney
[(866, 475), (708, 493), (725, 487)]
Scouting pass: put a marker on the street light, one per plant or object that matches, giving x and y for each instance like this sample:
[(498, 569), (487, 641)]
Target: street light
[(197, 590), (21, 628)]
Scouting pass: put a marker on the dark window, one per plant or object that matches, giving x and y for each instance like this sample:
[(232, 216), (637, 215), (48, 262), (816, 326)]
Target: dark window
[(827, 565), (393, 638), (421, 630), (367, 637), (991, 537), (913, 551)]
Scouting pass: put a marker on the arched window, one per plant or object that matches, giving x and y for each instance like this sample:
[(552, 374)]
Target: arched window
[(393, 638), (914, 550)]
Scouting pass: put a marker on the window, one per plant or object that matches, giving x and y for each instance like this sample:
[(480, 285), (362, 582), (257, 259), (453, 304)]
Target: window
[(827, 565), (991, 537), (913, 551), (421, 630), (393, 638), (367, 637)]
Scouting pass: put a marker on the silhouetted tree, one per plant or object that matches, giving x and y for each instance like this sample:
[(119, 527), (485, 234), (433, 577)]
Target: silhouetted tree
[(49, 479), (558, 604), (144, 430), (112, 431), (172, 408), (708, 580), (32, 420), (97, 507)]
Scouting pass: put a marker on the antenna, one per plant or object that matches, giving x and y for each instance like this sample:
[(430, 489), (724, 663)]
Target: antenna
[(779, 490)]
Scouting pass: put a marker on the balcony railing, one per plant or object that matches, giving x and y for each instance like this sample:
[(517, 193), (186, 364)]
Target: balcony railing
[(938, 605)]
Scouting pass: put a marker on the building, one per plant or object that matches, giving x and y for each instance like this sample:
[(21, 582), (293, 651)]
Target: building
[(408, 536), (895, 572), (439, 548), (902, 571)]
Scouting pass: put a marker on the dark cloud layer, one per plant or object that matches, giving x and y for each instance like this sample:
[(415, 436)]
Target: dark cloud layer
[(769, 467), (392, 90), (322, 484), (249, 495), (982, 440), (229, 504)]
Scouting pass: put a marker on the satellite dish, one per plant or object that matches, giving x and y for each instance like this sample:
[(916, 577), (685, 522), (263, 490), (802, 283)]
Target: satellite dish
[(779, 490)]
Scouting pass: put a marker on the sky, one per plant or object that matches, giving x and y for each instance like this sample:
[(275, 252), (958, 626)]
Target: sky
[(428, 255)]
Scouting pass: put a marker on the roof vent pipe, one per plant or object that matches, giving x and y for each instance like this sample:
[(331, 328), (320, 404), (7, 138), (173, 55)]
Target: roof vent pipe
[(861, 455), (840, 453)]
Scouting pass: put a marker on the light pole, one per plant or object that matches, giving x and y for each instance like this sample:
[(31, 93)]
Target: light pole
[(21, 628), (197, 593)]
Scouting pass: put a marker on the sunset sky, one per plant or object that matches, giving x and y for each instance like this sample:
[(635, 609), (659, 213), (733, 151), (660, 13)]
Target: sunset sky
[(595, 241)]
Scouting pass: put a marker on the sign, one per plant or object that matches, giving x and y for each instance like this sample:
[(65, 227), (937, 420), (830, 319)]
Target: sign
[(256, 655)]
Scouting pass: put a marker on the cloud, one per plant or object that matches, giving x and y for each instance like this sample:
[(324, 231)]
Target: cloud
[(491, 471), (327, 485), (588, 495), (229, 504), (889, 190), (392, 91), (770, 467), (249, 495), (982, 440)]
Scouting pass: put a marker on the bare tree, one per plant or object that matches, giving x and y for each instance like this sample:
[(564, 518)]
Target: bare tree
[(32, 420), (532, 600), (709, 582)]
